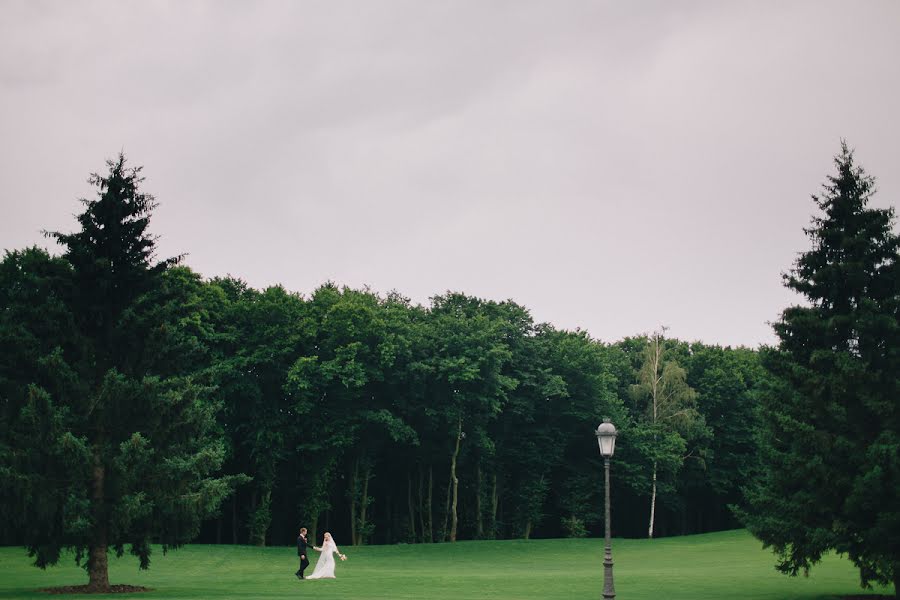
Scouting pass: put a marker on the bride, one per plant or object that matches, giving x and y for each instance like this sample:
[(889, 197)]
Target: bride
[(325, 566)]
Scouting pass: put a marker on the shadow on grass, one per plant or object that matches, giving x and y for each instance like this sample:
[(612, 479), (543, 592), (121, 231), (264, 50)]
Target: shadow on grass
[(86, 589)]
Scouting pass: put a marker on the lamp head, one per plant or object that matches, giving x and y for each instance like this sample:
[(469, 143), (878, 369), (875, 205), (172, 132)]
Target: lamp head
[(606, 438)]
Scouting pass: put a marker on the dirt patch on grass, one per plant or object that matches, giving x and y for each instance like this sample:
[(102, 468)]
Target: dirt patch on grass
[(84, 589)]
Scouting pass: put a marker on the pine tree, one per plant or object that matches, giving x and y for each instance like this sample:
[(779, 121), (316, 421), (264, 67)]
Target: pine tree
[(113, 438), (831, 415)]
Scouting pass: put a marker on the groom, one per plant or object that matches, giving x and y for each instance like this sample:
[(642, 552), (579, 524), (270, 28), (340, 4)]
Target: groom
[(301, 552)]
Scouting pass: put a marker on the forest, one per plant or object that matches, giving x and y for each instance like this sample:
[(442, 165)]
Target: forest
[(143, 404), (385, 421)]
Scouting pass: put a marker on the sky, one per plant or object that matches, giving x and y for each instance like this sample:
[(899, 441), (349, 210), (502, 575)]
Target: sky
[(611, 166)]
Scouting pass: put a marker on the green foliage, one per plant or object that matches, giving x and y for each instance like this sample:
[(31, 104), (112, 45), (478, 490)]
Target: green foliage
[(256, 336), (667, 428), (831, 416), (726, 381), (377, 419), (574, 527), (110, 435)]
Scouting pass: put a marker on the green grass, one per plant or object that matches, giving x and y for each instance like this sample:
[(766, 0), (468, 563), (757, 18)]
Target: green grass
[(720, 566)]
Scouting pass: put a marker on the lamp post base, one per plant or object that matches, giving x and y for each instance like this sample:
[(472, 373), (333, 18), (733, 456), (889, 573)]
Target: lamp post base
[(609, 589)]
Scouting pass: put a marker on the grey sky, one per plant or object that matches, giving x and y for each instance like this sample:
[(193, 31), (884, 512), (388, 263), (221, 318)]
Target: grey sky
[(610, 165)]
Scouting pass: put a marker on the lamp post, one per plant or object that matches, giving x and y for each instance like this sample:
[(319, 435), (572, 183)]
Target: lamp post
[(606, 438)]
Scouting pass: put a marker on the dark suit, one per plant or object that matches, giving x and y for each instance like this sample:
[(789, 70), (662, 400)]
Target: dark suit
[(302, 546)]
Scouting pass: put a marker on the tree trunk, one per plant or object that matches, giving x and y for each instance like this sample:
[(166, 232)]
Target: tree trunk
[(654, 398), (495, 498), (527, 533), (389, 519), (98, 564), (98, 560), (422, 505), (454, 480), (234, 519), (352, 493), (479, 522), (251, 527), (897, 580), (363, 506), (262, 516), (445, 529), (500, 518), (652, 503), (430, 503), (412, 511), (267, 502)]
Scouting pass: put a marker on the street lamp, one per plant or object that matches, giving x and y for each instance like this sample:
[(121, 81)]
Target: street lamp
[(606, 439)]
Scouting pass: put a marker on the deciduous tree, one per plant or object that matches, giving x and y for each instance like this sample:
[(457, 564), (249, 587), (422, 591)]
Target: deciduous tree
[(666, 405)]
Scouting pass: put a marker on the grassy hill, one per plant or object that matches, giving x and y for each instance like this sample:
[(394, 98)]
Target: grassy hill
[(719, 566)]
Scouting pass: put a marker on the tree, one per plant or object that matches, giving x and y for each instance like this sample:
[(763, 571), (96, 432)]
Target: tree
[(112, 438), (726, 380), (665, 404), (585, 367), (35, 326), (467, 386), (831, 440), (261, 334), (339, 396)]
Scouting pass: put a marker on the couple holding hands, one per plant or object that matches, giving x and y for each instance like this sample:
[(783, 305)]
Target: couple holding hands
[(325, 566)]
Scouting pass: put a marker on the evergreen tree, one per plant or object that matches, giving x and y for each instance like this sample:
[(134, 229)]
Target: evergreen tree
[(112, 437), (831, 415)]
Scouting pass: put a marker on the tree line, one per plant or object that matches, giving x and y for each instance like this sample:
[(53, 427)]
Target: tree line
[(144, 404), (388, 422)]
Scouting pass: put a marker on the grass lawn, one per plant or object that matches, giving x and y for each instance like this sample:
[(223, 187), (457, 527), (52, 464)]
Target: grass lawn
[(720, 566)]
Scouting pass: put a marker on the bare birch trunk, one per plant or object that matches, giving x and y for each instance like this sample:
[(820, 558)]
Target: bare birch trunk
[(657, 375), (652, 503), (444, 529)]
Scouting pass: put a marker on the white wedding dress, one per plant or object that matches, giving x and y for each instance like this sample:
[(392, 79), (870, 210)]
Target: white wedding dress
[(325, 566)]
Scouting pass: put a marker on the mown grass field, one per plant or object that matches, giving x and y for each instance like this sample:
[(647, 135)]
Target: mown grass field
[(719, 566)]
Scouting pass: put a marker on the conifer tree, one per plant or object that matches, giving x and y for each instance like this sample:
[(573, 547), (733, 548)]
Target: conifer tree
[(831, 415), (112, 440)]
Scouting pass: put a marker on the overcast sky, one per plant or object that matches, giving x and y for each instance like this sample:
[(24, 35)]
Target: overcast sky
[(612, 166)]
